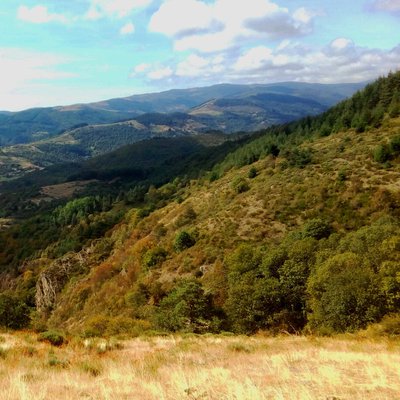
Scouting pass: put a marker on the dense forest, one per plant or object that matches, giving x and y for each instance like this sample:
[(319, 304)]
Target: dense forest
[(295, 229)]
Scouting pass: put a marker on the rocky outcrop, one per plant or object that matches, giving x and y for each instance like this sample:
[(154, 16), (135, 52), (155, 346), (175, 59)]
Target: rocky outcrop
[(52, 280)]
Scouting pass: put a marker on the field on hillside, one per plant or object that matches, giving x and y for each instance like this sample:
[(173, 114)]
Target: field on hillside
[(199, 367)]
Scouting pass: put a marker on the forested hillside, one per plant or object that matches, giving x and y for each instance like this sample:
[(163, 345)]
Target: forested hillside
[(288, 101), (294, 230)]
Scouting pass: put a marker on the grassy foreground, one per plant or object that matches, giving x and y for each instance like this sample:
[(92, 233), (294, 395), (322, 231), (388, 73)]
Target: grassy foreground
[(192, 367)]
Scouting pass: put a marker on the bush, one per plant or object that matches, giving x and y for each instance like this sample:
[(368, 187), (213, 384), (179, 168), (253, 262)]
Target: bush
[(389, 326), (14, 313), (183, 241), (154, 257), (187, 308), (186, 217), (299, 157), (52, 337), (240, 185), (104, 326), (381, 154), (316, 229), (395, 145), (252, 173)]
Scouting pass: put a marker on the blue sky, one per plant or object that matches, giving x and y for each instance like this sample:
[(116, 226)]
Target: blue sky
[(68, 51)]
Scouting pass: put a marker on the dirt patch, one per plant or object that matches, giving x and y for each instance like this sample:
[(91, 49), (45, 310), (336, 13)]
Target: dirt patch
[(61, 191)]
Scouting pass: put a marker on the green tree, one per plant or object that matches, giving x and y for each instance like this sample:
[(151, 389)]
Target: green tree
[(344, 295), (186, 308), (183, 241), (14, 313), (316, 229)]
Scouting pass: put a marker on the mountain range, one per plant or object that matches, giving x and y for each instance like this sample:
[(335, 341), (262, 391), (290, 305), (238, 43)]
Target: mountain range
[(37, 138), (249, 107)]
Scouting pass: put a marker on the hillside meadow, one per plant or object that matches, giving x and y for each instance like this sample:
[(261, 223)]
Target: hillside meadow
[(200, 367)]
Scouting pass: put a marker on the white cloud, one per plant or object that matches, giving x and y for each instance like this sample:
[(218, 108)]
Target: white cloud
[(181, 17), (192, 66), (114, 8), (141, 68), (341, 43), (303, 15), (39, 15), (160, 73), (339, 61), (253, 59), (21, 70), (392, 6), (223, 24), (127, 29)]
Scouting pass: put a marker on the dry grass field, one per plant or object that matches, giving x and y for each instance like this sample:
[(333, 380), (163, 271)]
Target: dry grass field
[(200, 368)]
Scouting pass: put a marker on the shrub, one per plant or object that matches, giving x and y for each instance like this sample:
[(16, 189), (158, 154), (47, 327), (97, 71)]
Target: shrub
[(238, 347), (252, 173), (186, 308), (299, 157), (186, 217), (3, 353), (240, 185), (395, 145), (342, 175), (381, 154), (56, 362), (154, 257), (96, 326), (389, 326), (183, 241), (316, 229), (104, 326), (14, 313), (91, 369), (52, 337)]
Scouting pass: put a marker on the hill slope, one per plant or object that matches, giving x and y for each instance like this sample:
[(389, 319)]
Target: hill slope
[(41, 123), (295, 230)]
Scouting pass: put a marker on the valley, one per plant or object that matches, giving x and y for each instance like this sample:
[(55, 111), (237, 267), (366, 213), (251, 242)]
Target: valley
[(77, 133)]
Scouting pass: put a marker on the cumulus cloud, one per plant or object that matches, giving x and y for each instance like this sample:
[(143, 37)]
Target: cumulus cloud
[(391, 6), (39, 15), (338, 61), (127, 29), (254, 58), (194, 15), (141, 68), (160, 73), (114, 8), (341, 43), (209, 27)]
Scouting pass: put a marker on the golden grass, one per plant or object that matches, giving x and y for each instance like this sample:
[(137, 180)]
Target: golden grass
[(193, 367)]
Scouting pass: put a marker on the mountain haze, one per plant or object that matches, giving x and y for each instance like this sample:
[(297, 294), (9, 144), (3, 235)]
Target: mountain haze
[(41, 123)]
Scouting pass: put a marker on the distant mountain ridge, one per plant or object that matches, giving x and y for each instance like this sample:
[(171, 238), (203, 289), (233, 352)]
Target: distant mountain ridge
[(42, 123)]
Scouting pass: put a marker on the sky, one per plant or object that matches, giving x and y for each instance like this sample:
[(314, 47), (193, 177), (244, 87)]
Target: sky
[(59, 52)]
